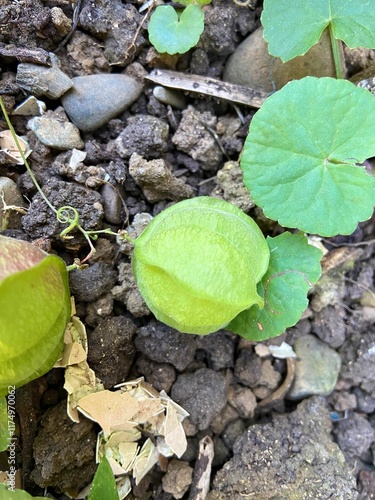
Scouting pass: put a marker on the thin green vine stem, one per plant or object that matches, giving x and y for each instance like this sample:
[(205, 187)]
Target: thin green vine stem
[(336, 53), (28, 168)]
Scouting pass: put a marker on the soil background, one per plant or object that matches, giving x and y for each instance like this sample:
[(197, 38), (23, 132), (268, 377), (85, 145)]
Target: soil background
[(268, 443)]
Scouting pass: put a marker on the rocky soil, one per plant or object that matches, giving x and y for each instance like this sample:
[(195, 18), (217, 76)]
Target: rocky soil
[(105, 141)]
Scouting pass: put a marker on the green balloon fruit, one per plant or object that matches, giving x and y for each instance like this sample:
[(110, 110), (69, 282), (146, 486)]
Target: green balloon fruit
[(34, 311), (198, 263)]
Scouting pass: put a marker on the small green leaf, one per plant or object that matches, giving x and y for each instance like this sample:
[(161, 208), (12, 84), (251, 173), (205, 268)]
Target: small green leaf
[(173, 34), (4, 433), (301, 157), (104, 484), (291, 28), (6, 494), (197, 264), (35, 309), (294, 267)]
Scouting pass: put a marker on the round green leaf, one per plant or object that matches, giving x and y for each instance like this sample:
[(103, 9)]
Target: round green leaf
[(294, 267), (291, 28), (300, 159), (173, 34), (198, 263), (35, 309)]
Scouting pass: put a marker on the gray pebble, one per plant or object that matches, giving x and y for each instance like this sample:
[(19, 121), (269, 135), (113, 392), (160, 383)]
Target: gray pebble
[(111, 350), (95, 99), (317, 368), (202, 394), (251, 64), (56, 134), (89, 284), (42, 80), (355, 435), (166, 345), (232, 431), (111, 203), (144, 135), (157, 181), (248, 368), (219, 348), (10, 219), (329, 325), (170, 97)]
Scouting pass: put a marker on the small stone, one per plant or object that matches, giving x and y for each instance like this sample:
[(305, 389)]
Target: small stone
[(232, 431), (30, 107), (100, 309), (112, 203), (194, 138), (202, 394), (11, 196), (157, 181), (230, 186), (163, 344), (144, 135), (243, 400), (61, 22), (95, 99), (127, 291), (178, 478), (55, 132), (43, 80), (248, 368), (251, 64), (70, 164), (270, 377), (329, 325), (317, 368), (170, 97), (89, 284), (160, 375), (354, 435), (111, 350), (60, 439), (227, 414), (219, 348)]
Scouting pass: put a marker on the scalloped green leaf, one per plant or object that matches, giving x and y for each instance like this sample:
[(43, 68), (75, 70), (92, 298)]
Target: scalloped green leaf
[(294, 267), (300, 159), (173, 32), (103, 484), (291, 28), (35, 309), (197, 264), (4, 434)]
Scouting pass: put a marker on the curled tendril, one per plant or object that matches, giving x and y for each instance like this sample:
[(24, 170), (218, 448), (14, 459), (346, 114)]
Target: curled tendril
[(277, 275), (68, 215)]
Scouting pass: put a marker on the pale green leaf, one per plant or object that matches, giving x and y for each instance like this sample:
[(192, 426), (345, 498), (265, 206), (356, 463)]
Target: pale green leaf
[(301, 157), (35, 309), (174, 34), (294, 267), (4, 433), (197, 264), (6, 494), (104, 484), (291, 28)]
